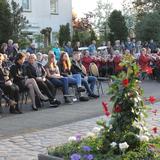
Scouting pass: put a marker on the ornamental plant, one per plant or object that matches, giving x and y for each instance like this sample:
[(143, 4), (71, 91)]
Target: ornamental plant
[(124, 136), (128, 106)]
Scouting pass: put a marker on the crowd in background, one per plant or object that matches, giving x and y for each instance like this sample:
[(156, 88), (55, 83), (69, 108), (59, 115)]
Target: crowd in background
[(40, 75)]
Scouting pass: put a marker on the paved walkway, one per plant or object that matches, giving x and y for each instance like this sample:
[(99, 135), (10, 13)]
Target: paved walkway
[(27, 146)]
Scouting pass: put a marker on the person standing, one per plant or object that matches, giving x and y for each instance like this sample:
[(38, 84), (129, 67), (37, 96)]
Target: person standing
[(92, 48), (68, 48), (57, 51)]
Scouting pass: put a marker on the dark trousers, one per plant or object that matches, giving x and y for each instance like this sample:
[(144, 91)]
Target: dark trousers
[(11, 91), (2, 95), (47, 88)]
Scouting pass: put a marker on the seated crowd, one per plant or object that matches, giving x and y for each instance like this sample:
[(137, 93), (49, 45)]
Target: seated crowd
[(40, 75)]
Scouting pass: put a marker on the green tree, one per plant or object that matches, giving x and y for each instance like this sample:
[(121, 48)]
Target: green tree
[(75, 37), (18, 21), (93, 35), (64, 34), (117, 24), (101, 15), (129, 13), (144, 6), (5, 21), (149, 27)]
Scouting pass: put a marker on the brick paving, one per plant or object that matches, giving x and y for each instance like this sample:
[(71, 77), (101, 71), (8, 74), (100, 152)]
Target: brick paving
[(28, 146), (22, 137)]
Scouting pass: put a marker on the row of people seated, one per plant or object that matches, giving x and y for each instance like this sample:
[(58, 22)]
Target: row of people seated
[(42, 82), (110, 65)]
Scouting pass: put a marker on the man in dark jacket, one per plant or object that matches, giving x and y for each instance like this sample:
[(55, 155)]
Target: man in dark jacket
[(76, 68)]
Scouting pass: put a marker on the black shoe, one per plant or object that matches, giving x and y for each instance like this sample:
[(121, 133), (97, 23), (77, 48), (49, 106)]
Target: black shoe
[(68, 101), (18, 110), (93, 95), (81, 89), (57, 102), (54, 105), (12, 110), (34, 108), (44, 100)]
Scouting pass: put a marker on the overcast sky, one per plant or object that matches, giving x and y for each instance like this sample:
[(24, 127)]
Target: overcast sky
[(83, 6)]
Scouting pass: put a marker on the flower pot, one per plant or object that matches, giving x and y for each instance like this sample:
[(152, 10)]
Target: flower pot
[(47, 157)]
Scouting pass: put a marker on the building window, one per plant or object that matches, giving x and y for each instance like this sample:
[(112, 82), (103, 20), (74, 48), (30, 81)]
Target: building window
[(54, 6), (26, 5)]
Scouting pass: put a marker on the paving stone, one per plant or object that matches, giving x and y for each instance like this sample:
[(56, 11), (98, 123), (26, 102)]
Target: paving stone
[(27, 146)]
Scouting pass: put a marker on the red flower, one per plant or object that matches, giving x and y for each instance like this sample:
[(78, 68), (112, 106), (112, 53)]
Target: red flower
[(152, 99), (105, 108), (155, 112), (125, 82), (154, 130), (148, 70), (118, 109), (107, 113)]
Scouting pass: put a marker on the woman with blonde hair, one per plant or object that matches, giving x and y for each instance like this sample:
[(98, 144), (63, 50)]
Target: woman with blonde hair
[(55, 77), (65, 70)]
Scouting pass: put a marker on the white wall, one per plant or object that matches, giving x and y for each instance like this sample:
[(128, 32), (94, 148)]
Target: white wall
[(41, 16)]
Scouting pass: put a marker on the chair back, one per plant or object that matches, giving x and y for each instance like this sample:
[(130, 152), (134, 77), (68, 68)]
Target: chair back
[(93, 69)]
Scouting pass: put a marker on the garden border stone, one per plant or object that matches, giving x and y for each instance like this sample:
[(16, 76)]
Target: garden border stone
[(48, 157)]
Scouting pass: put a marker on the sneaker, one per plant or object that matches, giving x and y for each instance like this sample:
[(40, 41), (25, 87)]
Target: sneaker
[(94, 95), (81, 89)]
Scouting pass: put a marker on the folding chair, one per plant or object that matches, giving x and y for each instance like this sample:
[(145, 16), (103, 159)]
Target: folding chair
[(93, 69)]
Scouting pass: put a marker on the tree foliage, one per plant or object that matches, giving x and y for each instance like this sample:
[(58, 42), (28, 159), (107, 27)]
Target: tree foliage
[(129, 13), (5, 21), (144, 6), (117, 24), (18, 20), (149, 27), (11, 21), (64, 34), (101, 15)]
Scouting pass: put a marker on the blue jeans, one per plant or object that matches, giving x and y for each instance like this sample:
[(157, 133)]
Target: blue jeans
[(92, 80), (61, 82), (78, 79)]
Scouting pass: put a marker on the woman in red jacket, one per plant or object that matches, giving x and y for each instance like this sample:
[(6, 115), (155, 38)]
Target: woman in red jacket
[(87, 60), (117, 60), (144, 62)]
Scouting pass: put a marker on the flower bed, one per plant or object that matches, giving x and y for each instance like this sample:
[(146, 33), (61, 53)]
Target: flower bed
[(124, 135), (90, 149)]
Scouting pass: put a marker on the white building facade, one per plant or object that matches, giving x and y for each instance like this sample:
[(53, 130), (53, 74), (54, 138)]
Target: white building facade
[(46, 13)]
